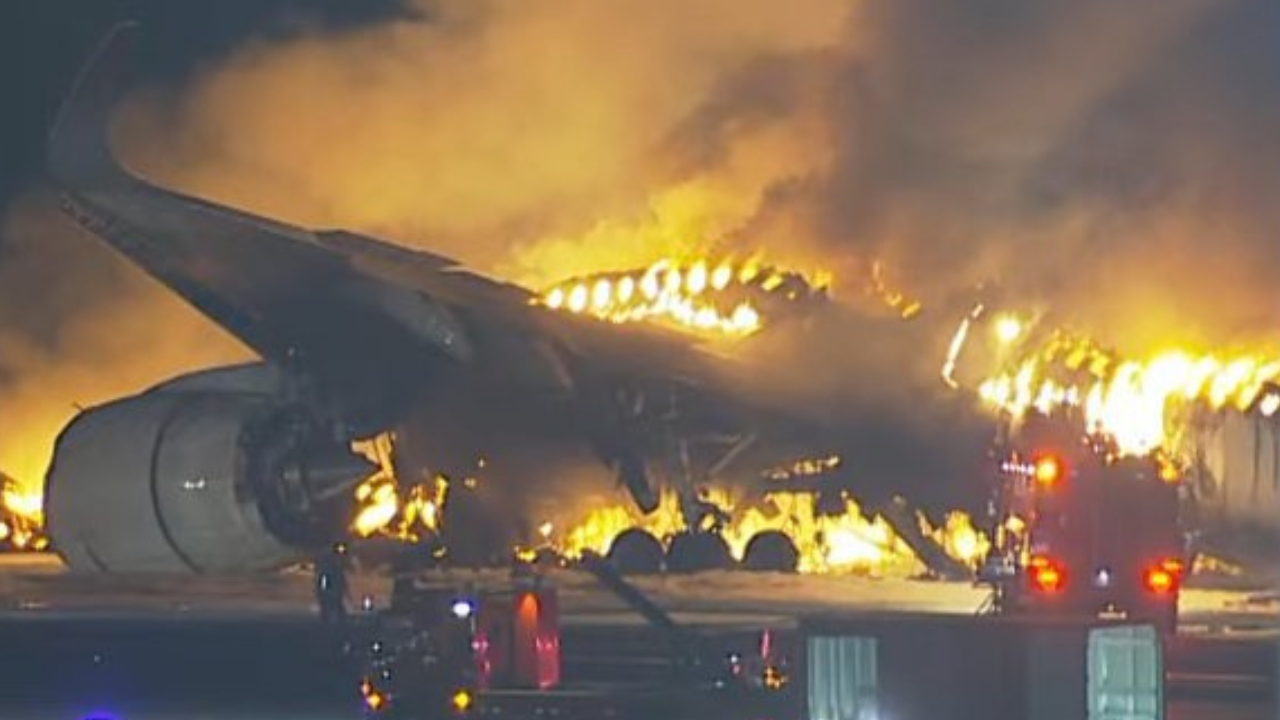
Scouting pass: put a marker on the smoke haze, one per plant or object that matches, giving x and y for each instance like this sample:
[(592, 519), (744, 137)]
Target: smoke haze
[(1106, 159)]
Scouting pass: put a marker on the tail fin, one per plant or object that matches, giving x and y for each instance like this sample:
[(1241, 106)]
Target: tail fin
[(79, 151)]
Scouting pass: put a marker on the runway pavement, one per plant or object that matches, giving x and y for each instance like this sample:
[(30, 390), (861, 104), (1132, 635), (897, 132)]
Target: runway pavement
[(249, 648)]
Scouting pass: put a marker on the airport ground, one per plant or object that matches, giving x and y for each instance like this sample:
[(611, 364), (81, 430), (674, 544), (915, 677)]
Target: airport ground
[(251, 649)]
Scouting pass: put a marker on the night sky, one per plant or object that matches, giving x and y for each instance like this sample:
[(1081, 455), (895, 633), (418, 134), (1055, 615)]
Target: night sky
[(43, 44)]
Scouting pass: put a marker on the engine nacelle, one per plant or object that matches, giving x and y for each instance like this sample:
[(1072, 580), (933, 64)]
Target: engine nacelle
[(194, 480)]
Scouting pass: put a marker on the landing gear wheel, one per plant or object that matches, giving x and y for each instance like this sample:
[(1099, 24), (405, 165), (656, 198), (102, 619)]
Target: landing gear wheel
[(695, 552), (636, 552), (771, 551)]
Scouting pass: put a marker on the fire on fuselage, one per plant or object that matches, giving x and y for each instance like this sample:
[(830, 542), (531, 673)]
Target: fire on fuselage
[(721, 299)]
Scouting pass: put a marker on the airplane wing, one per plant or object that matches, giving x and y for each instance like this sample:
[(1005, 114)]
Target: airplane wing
[(365, 316)]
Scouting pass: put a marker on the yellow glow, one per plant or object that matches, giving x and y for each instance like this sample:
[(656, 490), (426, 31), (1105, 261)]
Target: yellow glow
[(721, 278), (774, 678), (846, 542), (462, 701), (601, 294), (697, 281), (555, 299), (383, 508), (1048, 470), (626, 290), (28, 504), (1269, 404), (578, 299), (1129, 400), (960, 538), (1008, 329), (688, 295)]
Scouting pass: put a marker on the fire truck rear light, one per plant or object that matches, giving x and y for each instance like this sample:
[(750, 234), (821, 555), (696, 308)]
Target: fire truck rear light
[(1048, 470), (1047, 574), (1160, 581), (1164, 577)]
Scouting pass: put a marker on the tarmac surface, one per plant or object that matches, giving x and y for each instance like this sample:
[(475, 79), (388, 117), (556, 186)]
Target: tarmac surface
[(77, 648)]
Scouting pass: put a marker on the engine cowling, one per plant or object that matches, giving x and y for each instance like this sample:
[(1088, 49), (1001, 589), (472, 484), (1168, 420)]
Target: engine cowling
[(194, 480)]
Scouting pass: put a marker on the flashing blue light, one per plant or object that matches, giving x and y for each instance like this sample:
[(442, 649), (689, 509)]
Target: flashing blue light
[(101, 716), (463, 608)]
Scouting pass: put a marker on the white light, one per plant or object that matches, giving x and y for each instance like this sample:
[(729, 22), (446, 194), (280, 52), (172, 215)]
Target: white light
[(1103, 578), (462, 609), (1008, 329), (1269, 404)]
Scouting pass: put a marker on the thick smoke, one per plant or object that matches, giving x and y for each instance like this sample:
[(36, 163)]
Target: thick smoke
[(1115, 162), (484, 130)]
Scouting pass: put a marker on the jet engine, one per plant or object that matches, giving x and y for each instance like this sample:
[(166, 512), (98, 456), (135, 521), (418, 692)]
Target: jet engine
[(202, 475)]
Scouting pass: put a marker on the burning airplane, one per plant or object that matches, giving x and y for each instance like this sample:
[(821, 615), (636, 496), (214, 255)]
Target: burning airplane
[(400, 395), (488, 392)]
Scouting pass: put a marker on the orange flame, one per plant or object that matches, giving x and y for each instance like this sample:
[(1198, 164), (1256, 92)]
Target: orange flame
[(846, 542), (383, 509), (21, 519), (1129, 400), (696, 296)]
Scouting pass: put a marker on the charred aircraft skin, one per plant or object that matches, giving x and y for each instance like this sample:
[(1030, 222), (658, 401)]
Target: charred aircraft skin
[(357, 337)]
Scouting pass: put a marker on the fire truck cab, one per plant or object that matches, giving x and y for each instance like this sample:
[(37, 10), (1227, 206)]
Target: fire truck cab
[(1078, 529)]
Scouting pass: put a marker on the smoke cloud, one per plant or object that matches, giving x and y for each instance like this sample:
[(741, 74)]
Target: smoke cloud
[(1117, 163)]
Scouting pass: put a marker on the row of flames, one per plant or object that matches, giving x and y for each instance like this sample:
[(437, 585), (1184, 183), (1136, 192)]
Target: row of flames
[(850, 541), (1129, 401), (714, 298), (845, 542)]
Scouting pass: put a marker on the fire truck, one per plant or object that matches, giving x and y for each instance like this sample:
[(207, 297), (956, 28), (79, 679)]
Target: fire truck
[(443, 652), (1078, 528)]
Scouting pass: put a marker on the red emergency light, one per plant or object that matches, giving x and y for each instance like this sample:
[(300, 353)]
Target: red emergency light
[(1048, 575), (1163, 577), (517, 642), (1048, 470)]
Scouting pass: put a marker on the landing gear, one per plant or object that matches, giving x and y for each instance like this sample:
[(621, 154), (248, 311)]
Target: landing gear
[(636, 552), (771, 551), (697, 551)]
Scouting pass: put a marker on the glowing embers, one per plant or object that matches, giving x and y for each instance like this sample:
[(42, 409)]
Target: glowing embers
[(714, 298)]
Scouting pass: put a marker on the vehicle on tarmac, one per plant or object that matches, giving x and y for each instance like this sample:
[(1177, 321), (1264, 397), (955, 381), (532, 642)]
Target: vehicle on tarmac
[(1079, 529)]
